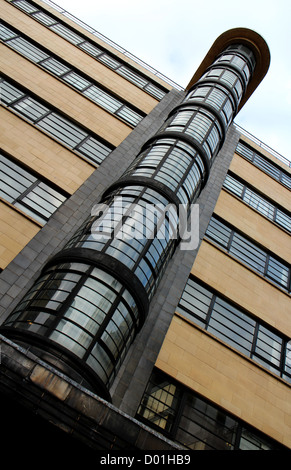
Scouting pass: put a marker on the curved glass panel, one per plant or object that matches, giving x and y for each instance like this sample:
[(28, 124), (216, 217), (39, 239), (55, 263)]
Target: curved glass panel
[(90, 313)]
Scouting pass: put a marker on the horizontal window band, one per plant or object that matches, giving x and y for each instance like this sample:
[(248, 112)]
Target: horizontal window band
[(69, 70), (227, 66), (147, 183), (240, 53), (111, 266), (71, 30), (53, 353), (209, 81), (196, 103), (251, 187), (188, 140)]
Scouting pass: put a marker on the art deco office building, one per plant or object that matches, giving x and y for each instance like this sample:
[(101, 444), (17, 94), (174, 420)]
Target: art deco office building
[(117, 330)]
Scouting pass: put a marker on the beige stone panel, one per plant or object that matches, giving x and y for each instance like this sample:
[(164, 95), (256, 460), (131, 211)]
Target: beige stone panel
[(254, 225), (41, 153), (78, 58), (226, 378), (63, 97), (16, 231), (261, 181), (243, 286), (267, 154), (105, 45)]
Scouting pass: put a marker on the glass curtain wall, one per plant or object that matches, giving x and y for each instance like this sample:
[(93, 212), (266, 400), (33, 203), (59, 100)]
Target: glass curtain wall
[(93, 297)]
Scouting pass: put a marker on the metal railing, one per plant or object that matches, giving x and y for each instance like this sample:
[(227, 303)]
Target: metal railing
[(113, 44), (158, 74), (263, 145)]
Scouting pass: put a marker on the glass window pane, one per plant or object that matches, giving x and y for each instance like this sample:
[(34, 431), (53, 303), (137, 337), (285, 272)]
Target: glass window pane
[(9, 93), (44, 18), (278, 272), (232, 326), (93, 50), (55, 67), (219, 232), (6, 33), (155, 91), (131, 76), (94, 150), (76, 80), (62, 129), (248, 252), (269, 344), (106, 59), (27, 49), (25, 6), (283, 219), (66, 33), (31, 109), (102, 98), (233, 185)]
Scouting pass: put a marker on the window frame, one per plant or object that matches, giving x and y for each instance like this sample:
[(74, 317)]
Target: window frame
[(264, 164), (250, 247), (19, 201), (87, 135), (270, 211), (152, 88), (128, 113), (190, 312)]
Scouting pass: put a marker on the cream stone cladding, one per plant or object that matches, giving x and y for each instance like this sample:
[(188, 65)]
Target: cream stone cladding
[(261, 181), (63, 97), (16, 231), (107, 45), (77, 58), (223, 376), (243, 286), (254, 225), (42, 153)]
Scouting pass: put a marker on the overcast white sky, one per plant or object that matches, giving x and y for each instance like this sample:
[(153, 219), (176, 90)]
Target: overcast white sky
[(173, 36)]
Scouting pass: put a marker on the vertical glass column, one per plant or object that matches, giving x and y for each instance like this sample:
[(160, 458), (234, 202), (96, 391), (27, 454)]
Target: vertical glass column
[(92, 298)]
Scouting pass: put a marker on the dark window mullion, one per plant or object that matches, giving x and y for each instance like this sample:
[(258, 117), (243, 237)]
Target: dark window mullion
[(283, 357), (62, 75), (254, 343), (36, 121), (27, 191), (33, 210), (230, 240), (266, 265), (121, 107), (107, 319), (210, 310), (82, 141), (60, 313), (17, 100)]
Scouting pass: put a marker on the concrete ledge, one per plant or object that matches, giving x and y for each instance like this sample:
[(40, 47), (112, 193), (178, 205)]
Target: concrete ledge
[(43, 390)]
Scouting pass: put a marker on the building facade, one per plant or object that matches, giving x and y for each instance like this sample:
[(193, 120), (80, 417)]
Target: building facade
[(157, 340)]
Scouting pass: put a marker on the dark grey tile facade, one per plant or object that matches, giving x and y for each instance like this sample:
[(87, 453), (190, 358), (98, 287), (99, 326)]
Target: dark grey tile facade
[(137, 367), (20, 274)]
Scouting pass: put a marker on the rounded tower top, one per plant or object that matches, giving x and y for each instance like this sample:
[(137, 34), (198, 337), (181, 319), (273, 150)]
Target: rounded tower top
[(246, 37)]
